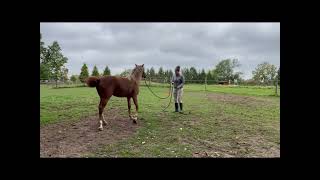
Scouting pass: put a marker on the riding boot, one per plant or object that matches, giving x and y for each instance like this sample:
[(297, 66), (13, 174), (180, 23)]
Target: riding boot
[(176, 107), (180, 106)]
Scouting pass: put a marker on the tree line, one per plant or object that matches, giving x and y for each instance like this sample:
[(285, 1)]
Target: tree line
[(224, 71), (264, 73), (84, 73)]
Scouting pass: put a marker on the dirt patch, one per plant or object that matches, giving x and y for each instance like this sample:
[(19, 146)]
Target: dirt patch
[(73, 139), (249, 101), (251, 147), (260, 147)]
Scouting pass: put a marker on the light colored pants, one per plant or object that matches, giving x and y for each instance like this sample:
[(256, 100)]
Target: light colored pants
[(177, 94)]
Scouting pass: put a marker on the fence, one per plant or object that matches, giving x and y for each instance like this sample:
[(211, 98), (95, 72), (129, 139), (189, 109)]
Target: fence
[(165, 82), (61, 84)]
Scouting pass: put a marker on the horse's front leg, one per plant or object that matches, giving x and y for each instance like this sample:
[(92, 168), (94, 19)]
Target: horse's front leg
[(129, 107), (135, 100)]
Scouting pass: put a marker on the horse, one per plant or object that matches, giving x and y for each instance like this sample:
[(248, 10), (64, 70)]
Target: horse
[(108, 86)]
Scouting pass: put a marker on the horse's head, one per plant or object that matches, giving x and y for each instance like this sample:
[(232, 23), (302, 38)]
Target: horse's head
[(139, 70)]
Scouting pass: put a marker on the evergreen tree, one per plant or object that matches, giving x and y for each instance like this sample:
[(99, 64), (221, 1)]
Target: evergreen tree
[(95, 71), (106, 71), (84, 74)]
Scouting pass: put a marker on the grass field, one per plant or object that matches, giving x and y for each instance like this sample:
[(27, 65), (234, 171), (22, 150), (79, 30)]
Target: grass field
[(225, 121)]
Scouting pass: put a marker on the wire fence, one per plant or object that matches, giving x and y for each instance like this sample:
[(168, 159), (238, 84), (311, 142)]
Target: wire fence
[(165, 82), (271, 84), (61, 84)]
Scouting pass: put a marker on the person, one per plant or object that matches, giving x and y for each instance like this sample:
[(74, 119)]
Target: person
[(178, 82)]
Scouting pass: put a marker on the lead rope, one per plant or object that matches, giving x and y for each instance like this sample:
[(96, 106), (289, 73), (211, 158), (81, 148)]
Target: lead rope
[(170, 94)]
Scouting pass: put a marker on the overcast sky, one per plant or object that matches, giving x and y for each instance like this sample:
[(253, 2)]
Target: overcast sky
[(202, 45)]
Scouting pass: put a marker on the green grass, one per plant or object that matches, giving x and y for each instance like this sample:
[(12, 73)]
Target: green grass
[(220, 128), (68, 103)]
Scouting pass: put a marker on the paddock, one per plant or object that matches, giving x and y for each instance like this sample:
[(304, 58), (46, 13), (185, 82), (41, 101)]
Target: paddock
[(218, 121)]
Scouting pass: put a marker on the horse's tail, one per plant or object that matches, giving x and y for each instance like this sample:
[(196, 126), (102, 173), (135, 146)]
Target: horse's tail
[(92, 81)]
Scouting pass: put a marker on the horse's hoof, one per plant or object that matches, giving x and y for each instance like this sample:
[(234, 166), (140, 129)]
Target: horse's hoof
[(134, 121), (105, 123), (100, 128)]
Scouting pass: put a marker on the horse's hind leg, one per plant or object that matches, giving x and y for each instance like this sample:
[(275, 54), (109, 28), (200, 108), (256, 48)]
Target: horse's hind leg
[(103, 103)]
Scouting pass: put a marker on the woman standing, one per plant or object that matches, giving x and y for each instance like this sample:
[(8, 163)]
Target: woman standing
[(178, 82)]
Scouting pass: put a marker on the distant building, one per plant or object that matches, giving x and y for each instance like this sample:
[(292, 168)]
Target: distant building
[(223, 82)]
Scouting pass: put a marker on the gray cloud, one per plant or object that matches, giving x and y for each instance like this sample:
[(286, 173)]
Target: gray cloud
[(203, 45)]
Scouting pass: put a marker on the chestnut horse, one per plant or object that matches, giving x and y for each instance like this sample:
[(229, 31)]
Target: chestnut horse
[(120, 87)]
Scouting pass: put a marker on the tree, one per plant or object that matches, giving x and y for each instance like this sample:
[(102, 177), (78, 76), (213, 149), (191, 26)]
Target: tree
[(73, 78), (42, 50), (106, 71), (202, 75), (170, 73), (55, 61), (44, 71), (212, 77), (95, 71), (240, 81), (166, 75), (215, 76), (209, 77), (152, 73), (126, 73), (198, 78), (44, 68), (237, 77), (186, 74), (224, 70), (148, 73), (193, 74), (278, 76), (84, 74), (64, 74), (160, 73), (265, 73)]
